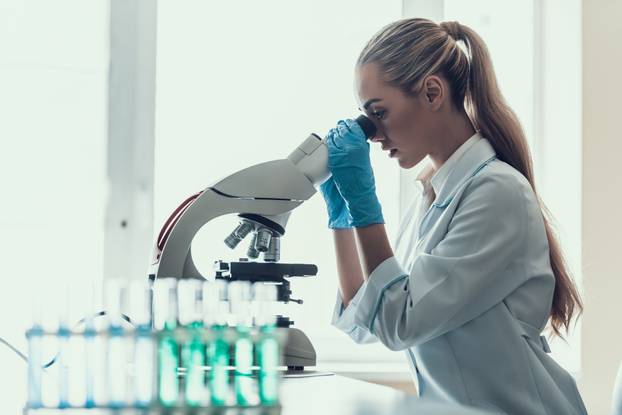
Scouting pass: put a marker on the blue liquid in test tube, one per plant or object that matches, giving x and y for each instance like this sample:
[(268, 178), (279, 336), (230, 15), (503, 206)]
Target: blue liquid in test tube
[(144, 349), (35, 343), (116, 370)]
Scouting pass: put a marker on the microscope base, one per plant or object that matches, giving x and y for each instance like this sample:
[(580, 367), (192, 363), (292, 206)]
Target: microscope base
[(298, 351)]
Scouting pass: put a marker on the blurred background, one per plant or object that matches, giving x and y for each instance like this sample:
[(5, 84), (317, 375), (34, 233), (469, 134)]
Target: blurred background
[(114, 111)]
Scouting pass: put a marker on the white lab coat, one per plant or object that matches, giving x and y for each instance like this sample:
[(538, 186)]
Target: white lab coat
[(468, 294)]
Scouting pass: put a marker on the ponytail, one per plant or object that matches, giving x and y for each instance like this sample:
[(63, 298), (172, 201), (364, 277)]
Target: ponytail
[(492, 116)]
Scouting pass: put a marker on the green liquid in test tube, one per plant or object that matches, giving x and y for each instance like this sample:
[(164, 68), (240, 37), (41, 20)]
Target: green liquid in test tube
[(193, 351), (168, 384), (239, 300), (218, 353), (215, 317), (165, 314), (194, 360), (267, 346)]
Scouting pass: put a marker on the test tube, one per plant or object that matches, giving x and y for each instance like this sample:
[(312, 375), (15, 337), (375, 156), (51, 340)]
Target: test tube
[(144, 350), (50, 299), (215, 312), (90, 356), (76, 350), (116, 370), (97, 347), (165, 319), (267, 349), (193, 351), (64, 334), (35, 343), (239, 301)]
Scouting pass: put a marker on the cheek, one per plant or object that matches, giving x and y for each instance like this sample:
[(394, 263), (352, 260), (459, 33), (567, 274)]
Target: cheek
[(403, 132)]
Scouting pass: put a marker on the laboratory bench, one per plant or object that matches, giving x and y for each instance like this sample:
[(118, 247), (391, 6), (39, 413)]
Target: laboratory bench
[(319, 393)]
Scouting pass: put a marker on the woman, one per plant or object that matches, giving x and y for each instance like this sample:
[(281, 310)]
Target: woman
[(477, 271)]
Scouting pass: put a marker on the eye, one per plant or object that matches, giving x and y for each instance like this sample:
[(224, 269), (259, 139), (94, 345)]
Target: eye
[(379, 114)]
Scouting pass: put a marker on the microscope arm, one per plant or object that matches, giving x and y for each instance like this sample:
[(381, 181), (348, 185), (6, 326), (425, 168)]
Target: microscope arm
[(271, 190)]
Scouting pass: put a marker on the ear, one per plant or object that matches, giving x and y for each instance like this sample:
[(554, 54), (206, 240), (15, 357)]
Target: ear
[(433, 92)]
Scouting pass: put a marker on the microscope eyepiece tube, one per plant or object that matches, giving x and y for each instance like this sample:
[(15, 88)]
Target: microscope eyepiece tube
[(311, 156), (368, 127)]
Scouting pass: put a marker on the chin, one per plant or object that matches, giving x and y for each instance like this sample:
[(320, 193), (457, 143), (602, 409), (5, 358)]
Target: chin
[(406, 164), (410, 162)]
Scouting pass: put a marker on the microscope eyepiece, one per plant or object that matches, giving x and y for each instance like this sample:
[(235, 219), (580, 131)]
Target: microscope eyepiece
[(367, 125)]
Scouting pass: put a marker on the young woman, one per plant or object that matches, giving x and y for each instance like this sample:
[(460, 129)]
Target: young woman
[(477, 272)]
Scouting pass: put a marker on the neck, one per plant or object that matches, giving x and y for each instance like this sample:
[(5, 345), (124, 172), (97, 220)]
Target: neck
[(456, 131)]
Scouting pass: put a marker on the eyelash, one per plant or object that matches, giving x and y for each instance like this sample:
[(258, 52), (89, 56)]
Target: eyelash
[(379, 114)]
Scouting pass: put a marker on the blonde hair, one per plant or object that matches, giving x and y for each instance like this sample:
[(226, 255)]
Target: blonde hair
[(409, 50)]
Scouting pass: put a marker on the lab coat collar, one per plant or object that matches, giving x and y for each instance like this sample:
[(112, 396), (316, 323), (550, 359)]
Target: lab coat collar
[(439, 178), (474, 157)]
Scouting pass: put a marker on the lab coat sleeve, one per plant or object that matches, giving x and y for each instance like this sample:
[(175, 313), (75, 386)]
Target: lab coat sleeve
[(344, 318), (462, 277)]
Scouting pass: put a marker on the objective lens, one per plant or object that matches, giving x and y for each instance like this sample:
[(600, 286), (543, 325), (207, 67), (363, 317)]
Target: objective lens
[(252, 251), (274, 250), (238, 234), (263, 239)]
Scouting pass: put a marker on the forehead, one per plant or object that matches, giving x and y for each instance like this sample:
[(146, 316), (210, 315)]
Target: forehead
[(369, 84)]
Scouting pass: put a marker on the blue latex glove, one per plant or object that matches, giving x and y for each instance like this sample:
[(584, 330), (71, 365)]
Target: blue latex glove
[(338, 215), (350, 165)]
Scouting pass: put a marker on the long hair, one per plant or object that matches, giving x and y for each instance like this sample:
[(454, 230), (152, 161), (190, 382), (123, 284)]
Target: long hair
[(408, 50)]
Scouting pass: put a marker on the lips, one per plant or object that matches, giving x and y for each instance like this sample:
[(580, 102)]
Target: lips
[(392, 152)]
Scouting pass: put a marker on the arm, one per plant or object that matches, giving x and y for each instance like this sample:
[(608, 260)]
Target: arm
[(348, 264), (351, 287), (374, 246)]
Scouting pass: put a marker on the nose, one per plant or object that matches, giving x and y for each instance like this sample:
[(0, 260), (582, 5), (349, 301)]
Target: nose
[(378, 137)]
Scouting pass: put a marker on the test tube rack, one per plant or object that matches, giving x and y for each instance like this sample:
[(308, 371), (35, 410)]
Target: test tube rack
[(133, 379)]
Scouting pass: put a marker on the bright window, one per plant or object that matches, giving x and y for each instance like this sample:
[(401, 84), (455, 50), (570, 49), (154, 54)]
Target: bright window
[(53, 78)]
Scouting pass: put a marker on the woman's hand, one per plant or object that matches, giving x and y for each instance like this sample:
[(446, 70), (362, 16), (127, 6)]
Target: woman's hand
[(350, 165), (338, 215)]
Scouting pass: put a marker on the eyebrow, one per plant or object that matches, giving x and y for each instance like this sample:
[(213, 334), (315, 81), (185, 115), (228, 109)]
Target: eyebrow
[(371, 101)]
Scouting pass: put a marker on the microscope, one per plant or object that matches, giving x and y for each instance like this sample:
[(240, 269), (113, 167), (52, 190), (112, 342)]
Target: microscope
[(263, 197)]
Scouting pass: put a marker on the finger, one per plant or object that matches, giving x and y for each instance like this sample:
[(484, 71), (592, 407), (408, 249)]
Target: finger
[(328, 183), (355, 128), (342, 128), (333, 142)]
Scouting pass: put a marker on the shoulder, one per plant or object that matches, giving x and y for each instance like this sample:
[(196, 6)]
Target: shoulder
[(500, 187)]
